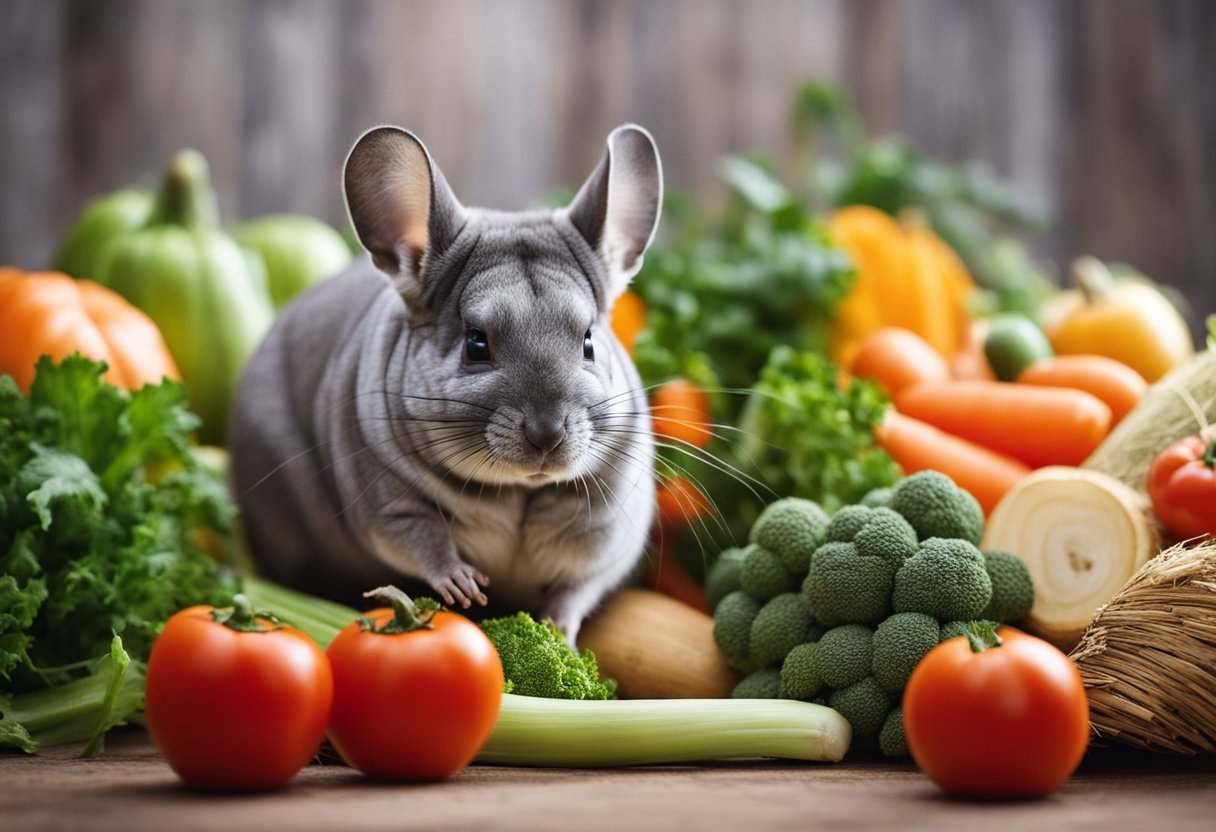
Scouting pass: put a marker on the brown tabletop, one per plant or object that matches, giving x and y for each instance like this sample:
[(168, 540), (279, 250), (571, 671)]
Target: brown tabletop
[(131, 788)]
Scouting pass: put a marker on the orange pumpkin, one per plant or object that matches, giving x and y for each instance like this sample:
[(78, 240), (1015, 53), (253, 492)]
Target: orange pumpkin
[(49, 313)]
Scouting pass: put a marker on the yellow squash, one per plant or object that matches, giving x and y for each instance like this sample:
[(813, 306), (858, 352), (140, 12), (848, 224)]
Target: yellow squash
[(906, 277), (1127, 320)]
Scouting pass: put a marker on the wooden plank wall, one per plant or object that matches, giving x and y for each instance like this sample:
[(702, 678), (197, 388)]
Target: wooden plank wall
[(1102, 111)]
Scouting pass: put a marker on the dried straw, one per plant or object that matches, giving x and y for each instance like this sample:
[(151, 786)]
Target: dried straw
[(1179, 405), (1148, 659)]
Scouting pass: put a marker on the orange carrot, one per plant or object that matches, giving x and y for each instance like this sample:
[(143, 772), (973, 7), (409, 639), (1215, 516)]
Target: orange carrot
[(680, 502), (668, 576), (628, 319), (680, 410), (916, 446), (898, 358), (1037, 425), (1111, 381)]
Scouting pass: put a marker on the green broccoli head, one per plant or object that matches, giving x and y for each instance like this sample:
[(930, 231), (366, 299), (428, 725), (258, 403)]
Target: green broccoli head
[(537, 661), (733, 620), (761, 684), (864, 704), (724, 577), (900, 643), (801, 674), (954, 628), (846, 654), (781, 625), (843, 587), (878, 498), (845, 524), (792, 528), (886, 534), (936, 507), (891, 737), (763, 576), (1012, 590), (945, 579)]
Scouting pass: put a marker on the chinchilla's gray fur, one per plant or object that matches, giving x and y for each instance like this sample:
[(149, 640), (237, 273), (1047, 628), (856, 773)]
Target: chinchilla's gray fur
[(367, 446)]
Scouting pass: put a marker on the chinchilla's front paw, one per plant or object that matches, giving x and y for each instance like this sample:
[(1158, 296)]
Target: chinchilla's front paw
[(461, 585)]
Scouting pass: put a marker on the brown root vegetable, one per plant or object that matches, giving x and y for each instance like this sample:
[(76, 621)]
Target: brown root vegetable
[(1081, 535), (1148, 659), (657, 648)]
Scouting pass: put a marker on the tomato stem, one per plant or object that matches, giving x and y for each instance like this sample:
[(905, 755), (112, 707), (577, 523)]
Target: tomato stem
[(406, 617), (1209, 456), (243, 618), (982, 635)]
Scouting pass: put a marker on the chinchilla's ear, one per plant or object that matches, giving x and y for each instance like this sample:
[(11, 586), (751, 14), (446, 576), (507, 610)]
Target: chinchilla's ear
[(617, 209), (400, 205)]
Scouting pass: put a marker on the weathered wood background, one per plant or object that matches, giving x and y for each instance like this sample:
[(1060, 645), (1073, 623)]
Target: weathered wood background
[(1101, 111)]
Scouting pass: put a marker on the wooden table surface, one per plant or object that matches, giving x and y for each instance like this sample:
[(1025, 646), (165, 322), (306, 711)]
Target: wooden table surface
[(131, 788)]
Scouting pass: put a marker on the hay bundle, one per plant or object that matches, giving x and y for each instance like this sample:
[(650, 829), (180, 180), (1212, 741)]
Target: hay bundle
[(1179, 405), (1148, 659)]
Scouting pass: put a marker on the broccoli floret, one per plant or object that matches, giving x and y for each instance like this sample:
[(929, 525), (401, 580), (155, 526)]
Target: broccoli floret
[(891, 738), (723, 577), (1012, 590), (733, 628), (537, 661), (945, 579), (843, 587), (763, 575), (936, 507), (864, 704), (900, 643), (801, 675), (886, 534), (846, 522), (762, 684), (780, 626), (846, 654), (792, 528), (954, 628), (878, 498)]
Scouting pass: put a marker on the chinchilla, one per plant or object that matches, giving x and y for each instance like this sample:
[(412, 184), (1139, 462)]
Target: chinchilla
[(456, 408)]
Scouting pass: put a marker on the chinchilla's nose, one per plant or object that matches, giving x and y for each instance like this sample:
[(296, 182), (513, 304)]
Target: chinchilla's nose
[(545, 432)]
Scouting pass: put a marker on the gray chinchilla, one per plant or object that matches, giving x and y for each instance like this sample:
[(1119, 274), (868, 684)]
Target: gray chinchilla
[(471, 420)]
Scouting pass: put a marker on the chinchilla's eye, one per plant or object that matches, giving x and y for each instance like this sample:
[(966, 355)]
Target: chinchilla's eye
[(588, 347), (476, 345)]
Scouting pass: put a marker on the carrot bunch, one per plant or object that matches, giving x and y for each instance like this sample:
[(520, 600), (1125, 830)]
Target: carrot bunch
[(988, 434)]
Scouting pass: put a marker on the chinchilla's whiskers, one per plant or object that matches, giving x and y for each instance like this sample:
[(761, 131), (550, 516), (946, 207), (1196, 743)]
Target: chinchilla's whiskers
[(486, 457), (687, 448)]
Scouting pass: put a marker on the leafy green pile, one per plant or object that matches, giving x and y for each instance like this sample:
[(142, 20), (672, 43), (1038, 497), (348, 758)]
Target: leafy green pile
[(718, 300), (801, 434), (91, 545)]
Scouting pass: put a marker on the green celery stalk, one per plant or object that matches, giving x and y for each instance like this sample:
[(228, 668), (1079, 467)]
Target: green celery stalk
[(630, 732), (594, 733), (84, 709)]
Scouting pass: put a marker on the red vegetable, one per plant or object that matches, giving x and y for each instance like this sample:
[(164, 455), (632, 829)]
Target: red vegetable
[(1182, 486), (416, 694), (996, 715), (236, 702)]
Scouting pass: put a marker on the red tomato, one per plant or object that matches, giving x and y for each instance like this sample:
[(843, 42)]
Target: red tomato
[(414, 705), (679, 410), (1182, 486), (233, 709), (1009, 721)]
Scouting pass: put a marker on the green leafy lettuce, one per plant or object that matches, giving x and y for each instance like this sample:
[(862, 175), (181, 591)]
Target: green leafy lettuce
[(101, 500)]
